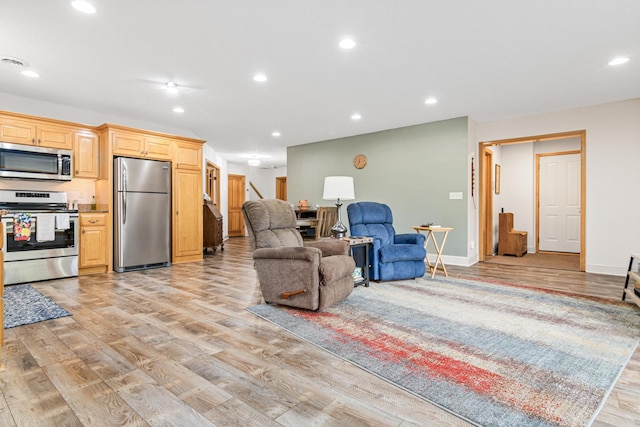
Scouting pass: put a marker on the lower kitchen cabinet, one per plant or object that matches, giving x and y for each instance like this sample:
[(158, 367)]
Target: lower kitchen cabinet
[(93, 243)]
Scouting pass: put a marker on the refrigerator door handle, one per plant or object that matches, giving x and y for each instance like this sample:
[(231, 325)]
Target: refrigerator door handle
[(124, 193), (124, 208), (124, 177)]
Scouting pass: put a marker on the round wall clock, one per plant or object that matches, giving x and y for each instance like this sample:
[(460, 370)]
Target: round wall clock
[(360, 161)]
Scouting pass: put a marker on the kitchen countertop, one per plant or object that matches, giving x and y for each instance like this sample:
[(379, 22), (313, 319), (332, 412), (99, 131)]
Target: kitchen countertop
[(86, 208)]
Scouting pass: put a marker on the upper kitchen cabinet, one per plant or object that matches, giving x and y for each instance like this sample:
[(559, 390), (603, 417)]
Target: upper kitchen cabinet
[(140, 145), (33, 132), (86, 155), (188, 155)]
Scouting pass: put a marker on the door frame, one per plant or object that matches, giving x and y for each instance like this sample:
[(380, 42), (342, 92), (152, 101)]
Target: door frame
[(213, 183), (281, 188), (486, 188), (486, 204)]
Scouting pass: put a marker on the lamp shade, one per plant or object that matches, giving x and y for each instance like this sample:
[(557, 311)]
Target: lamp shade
[(338, 187)]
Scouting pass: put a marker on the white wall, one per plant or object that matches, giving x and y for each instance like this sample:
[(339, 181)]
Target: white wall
[(613, 173), (263, 179), (209, 153)]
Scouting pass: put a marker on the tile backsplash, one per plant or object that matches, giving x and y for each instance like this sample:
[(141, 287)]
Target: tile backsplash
[(81, 190)]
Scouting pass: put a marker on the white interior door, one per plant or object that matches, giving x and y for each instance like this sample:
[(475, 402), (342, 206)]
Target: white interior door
[(559, 204)]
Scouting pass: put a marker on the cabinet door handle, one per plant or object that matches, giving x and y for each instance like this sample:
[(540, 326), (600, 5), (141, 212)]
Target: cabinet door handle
[(82, 231)]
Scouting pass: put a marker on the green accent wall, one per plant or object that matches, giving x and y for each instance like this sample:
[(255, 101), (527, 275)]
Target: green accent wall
[(411, 169)]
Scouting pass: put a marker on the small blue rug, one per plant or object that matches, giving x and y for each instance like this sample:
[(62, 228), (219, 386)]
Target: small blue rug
[(24, 305)]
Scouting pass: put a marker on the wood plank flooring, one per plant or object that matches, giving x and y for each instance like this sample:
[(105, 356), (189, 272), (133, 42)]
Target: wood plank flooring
[(175, 347)]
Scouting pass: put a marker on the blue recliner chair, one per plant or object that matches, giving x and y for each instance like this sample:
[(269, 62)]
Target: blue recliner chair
[(394, 256)]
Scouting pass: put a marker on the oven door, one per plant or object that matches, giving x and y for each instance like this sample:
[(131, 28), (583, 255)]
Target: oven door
[(64, 243)]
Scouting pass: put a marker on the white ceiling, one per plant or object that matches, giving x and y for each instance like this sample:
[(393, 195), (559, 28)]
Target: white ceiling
[(489, 60)]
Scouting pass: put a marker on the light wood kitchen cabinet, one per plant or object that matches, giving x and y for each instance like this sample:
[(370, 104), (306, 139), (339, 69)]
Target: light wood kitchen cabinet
[(93, 243), (86, 155), (187, 215), (187, 188), (41, 134), (188, 155), (140, 145)]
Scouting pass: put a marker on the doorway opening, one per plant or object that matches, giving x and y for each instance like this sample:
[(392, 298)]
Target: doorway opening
[(520, 175), (213, 183), (281, 188)]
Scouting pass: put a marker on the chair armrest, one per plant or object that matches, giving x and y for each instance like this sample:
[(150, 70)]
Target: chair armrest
[(289, 253), (330, 247), (410, 238)]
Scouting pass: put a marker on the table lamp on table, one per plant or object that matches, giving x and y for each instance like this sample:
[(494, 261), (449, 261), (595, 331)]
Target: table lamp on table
[(337, 188)]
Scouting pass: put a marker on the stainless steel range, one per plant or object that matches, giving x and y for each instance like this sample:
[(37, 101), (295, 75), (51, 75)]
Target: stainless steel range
[(40, 236)]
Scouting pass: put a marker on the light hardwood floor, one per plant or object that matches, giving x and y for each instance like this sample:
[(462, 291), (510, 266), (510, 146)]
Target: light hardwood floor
[(175, 347)]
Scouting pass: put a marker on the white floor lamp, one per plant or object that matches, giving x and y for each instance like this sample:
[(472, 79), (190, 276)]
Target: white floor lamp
[(337, 188)]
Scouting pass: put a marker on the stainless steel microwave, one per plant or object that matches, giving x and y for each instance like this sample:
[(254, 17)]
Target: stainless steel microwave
[(31, 162)]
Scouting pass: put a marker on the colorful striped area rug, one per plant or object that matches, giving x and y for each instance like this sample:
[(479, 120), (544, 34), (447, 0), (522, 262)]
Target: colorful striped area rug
[(492, 354)]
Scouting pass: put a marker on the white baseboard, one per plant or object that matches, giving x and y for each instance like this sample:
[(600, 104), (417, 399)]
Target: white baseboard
[(455, 260), (612, 270)]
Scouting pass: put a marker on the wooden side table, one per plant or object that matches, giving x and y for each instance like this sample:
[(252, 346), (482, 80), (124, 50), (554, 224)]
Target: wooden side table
[(438, 246), (365, 243)]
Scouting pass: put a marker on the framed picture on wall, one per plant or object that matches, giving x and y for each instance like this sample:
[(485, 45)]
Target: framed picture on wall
[(497, 179)]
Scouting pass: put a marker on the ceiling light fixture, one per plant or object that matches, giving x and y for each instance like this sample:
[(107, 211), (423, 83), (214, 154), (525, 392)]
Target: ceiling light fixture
[(356, 116), (276, 134), (30, 73), (83, 6), (619, 61), (11, 60), (260, 78), (253, 162), (178, 110), (171, 87), (431, 101), (347, 43)]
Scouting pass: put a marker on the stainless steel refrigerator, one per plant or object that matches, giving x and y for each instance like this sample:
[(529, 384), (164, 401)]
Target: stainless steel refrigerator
[(142, 218)]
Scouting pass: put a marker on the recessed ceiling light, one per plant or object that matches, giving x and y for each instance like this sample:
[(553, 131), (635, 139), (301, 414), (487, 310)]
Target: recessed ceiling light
[(356, 116), (83, 6), (347, 43), (260, 78), (30, 73), (178, 110), (276, 134), (619, 61), (171, 87), (431, 101)]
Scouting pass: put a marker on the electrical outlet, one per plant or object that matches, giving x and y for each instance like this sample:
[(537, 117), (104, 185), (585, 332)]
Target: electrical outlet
[(472, 244), (455, 195)]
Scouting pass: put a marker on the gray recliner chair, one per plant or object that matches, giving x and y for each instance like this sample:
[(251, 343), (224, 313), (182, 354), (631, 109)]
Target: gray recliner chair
[(313, 275)]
